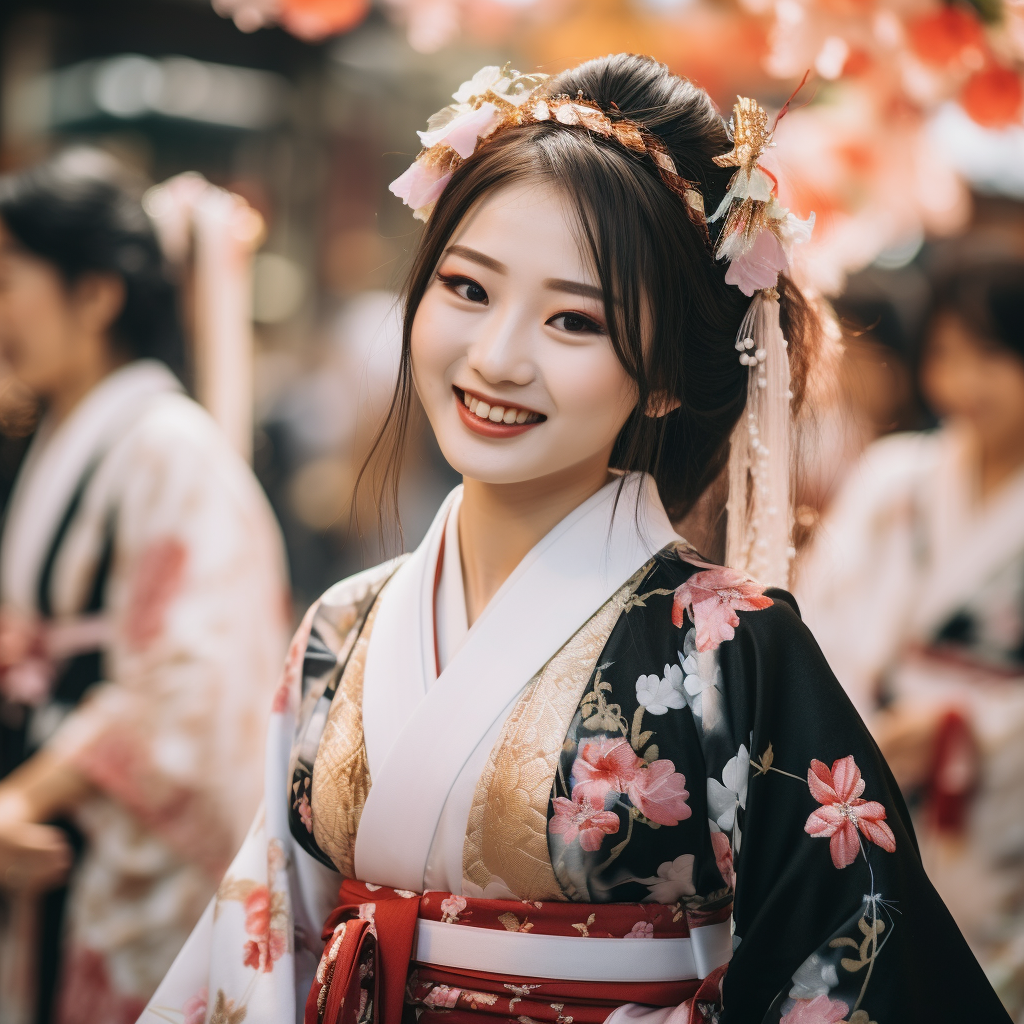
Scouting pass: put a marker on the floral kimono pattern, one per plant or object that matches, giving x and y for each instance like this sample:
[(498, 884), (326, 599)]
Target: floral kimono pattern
[(688, 747)]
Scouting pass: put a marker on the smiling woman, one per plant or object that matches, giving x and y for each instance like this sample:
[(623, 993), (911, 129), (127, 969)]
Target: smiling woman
[(554, 765)]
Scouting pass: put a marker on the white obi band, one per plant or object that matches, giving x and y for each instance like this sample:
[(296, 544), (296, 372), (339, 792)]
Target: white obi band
[(573, 958)]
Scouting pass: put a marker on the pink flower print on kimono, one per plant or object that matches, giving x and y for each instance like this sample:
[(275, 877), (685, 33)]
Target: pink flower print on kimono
[(843, 811), (657, 790), (266, 944), (195, 1008), (820, 1010), (158, 579), (641, 930), (580, 817), (451, 908), (711, 599), (722, 845)]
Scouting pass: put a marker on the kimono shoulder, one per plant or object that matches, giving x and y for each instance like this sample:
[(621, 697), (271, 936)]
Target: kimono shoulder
[(334, 624), (715, 764)]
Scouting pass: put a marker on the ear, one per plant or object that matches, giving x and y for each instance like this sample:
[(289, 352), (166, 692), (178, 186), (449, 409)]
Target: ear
[(99, 299), (661, 403)]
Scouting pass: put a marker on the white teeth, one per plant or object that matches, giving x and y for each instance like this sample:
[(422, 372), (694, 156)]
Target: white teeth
[(497, 413)]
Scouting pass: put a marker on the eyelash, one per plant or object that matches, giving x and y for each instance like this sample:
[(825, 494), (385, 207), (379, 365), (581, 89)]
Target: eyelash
[(454, 281)]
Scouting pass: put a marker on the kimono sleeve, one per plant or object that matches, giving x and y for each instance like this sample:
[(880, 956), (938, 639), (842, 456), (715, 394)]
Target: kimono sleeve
[(835, 919), (196, 602)]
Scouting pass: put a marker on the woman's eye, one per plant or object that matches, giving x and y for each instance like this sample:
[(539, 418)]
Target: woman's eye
[(576, 323), (464, 288)]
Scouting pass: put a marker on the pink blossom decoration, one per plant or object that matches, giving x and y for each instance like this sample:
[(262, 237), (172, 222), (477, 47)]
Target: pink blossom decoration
[(660, 793), (604, 765), (451, 908), (580, 817), (843, 811), (266, 944), (420, 185), (442, 997), (641, 930), (611, 765), (820, 1010), (722, 845), (195, 1008), (464, 131), (759, 267), (712, 598)]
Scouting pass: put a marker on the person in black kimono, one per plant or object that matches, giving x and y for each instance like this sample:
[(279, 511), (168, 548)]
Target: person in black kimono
[(554, 765)]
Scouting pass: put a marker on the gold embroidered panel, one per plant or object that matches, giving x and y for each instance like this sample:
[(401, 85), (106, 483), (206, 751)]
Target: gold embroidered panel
[(341, 771), (506, 849)]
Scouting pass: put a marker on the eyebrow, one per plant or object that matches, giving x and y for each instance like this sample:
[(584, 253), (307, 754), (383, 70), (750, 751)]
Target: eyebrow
[(590, 291), (556, 284), (476, 257)]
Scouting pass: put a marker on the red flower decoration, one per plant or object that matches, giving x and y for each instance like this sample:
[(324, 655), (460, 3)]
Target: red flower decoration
[(993, 97), (580, 817), (712, 598), (843, 812)]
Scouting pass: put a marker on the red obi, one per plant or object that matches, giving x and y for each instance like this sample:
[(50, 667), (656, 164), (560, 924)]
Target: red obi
[(553, 962)]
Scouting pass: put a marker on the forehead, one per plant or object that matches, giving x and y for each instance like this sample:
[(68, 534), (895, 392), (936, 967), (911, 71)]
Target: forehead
[(532, 228)]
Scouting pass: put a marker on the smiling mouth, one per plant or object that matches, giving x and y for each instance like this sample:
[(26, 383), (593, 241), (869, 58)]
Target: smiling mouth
[(497, 413), (493, 419)]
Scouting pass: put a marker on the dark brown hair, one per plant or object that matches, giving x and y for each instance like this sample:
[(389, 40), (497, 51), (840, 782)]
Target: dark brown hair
[(653, 263), (988, 296)]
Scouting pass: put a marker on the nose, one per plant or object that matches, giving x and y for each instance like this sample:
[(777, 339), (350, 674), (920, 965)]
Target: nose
[(503, 352)]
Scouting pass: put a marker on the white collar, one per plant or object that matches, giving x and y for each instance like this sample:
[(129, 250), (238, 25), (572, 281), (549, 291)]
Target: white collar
[(419, 734), (55, 463)]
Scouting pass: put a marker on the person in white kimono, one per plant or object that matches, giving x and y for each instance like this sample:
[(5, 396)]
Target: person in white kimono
[(143, 612), (915, 590), (554, 766)]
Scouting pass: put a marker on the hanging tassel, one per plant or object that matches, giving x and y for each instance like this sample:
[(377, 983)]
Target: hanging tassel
[(758, 538)]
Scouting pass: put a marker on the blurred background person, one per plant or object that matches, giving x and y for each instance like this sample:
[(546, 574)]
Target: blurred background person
[(914, 587), (142, 608)]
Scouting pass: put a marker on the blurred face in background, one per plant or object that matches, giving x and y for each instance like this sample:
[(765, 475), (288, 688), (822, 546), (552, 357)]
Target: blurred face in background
[(54, 336), (510, 349), (976, 380)]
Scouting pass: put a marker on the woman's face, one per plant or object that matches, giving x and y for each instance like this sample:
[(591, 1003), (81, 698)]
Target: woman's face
[(43, 323), (966, 376), (510, 350)]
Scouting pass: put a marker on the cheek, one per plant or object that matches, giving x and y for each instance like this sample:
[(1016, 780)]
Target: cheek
[(433, 346), (594, 387)]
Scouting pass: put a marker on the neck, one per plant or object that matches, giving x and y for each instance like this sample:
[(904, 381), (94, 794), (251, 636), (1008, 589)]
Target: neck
[(999, 461), (500, 523), (77, 384)]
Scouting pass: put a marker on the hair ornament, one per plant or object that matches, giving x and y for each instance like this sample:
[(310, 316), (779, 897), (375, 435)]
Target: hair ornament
[(497, 98), (759, 234), (757, 239)]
